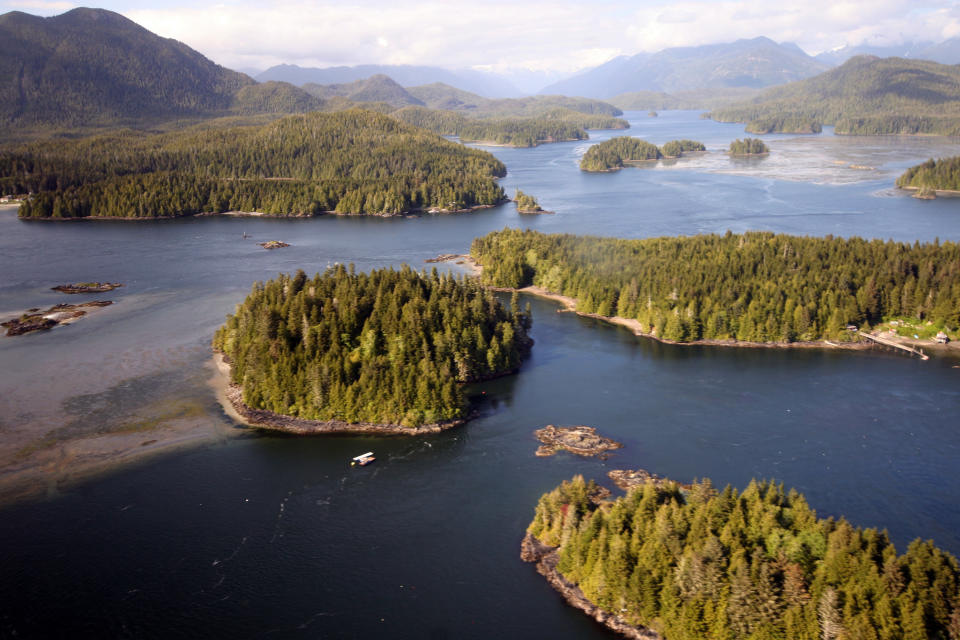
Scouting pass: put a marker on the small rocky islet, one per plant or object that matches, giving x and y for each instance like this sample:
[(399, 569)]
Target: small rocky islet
[(86, 287), (579, 439), (35, 320)]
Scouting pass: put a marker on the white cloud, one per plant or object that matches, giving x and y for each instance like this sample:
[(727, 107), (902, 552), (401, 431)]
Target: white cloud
[(40, 7), (543, 35)]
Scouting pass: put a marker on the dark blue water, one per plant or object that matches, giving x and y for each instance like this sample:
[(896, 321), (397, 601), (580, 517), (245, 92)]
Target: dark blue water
[(267, 536)]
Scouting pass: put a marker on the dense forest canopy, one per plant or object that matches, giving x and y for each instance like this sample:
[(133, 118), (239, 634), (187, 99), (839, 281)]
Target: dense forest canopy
[(941, 174), (864, 96), (387, 347), (348, 162), (758, 564), (616, 153), (554, 125), (757, 287)]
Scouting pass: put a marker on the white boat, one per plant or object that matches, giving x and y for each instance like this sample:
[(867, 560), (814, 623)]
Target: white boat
[(363, 459)]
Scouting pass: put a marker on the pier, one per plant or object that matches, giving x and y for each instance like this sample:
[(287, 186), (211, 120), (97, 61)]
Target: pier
[(895, 345)]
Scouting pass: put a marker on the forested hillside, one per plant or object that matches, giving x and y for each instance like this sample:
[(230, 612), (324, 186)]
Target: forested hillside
[(865, 96), (700, 564), (757, 287), (349, 162), (91, 66), (387, 347)]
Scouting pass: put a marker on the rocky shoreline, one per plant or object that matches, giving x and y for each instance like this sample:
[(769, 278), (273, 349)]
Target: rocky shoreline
[(546, 559), (269, 420)]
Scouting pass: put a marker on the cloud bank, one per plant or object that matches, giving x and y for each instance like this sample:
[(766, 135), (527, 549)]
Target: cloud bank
[(499, 34)]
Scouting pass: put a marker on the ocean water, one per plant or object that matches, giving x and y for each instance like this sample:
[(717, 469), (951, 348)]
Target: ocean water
[(253, 535)]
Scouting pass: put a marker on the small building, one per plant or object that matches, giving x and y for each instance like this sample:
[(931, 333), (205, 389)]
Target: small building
[(941, 338)]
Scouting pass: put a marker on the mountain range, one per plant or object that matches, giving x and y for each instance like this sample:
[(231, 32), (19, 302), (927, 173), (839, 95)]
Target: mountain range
[(755, 63), (946, 52), (865, 96), (486, 84)]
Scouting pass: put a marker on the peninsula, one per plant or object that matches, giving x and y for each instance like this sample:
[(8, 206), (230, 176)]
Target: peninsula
[(701, 563), (384, 352), (754, 289)]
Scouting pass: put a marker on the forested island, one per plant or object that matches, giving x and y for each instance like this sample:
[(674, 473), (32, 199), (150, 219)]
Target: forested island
[(748, 147), (616, 153), (864, 96), (941, 175), (388, 349), (350, 162), (756, 287), (526, 203), (553, 125), (662, 562)]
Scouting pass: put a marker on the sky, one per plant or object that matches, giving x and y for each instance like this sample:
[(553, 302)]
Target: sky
[(500, 35)]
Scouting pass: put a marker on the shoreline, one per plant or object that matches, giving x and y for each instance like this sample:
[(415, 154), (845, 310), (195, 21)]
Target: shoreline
[(230, 397), (256, 214), (570, 306), (546, 559), (939, 193)]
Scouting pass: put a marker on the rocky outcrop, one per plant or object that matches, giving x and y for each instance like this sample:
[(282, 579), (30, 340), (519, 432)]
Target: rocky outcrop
[(627, 479), (273, 244), (546, 558), (55, 315), (580, 439)]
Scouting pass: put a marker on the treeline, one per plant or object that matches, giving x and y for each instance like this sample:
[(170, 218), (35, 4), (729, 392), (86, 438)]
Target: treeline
[(615, 153), (388, 347), (756, 287), (784, 124), (554, 125), (864, 96), (943, 173), (350, 162), (759, 564), (748, 147)]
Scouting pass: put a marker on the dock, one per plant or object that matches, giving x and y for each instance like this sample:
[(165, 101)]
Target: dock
[(894, 345)]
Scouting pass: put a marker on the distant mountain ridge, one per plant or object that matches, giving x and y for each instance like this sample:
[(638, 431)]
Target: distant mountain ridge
[(93, 67), (755, 63), (376, 88), (866, 95), (485, 84), (946, 52)]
